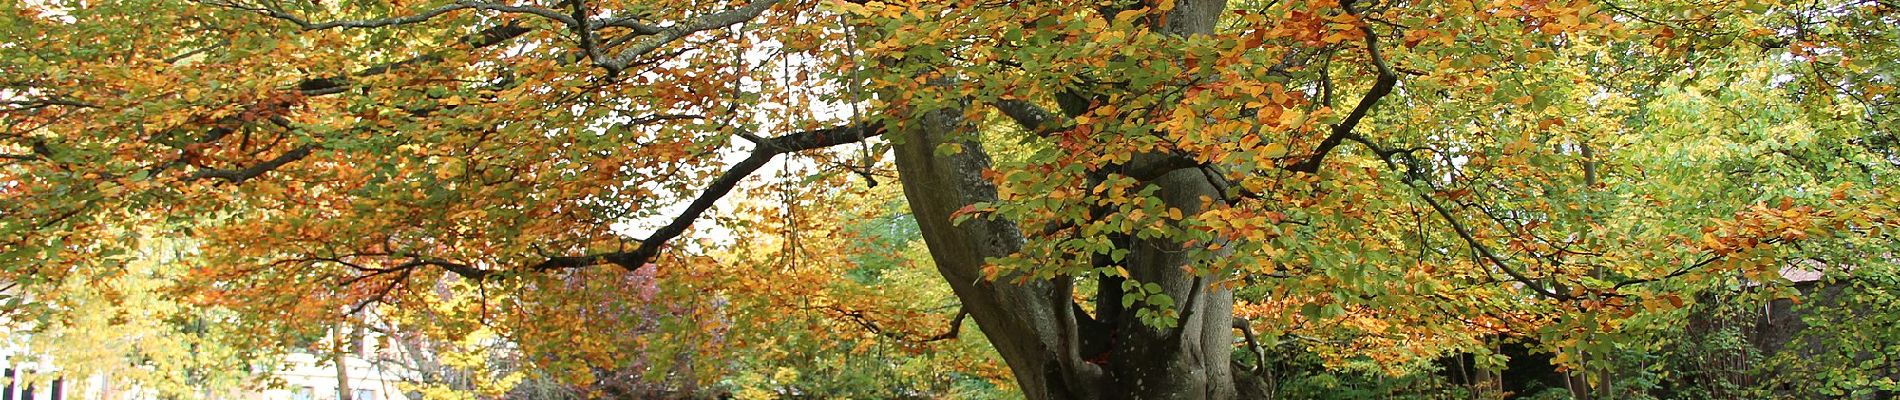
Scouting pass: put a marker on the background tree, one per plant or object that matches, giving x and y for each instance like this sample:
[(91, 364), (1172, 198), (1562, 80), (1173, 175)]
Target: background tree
[(123, 326)]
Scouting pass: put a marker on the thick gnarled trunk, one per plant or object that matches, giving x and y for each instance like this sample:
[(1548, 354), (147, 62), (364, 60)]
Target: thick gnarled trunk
[(1056, 350), (1035, 326)]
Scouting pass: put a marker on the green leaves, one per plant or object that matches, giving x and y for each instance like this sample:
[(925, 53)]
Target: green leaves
[(1157, 309), (1553, 171)]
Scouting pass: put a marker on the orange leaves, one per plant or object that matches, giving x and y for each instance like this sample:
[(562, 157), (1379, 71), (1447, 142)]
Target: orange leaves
[(1416, 37), (1342, 28), (1304, 26), (1762, 224), (1662, 302), (501, 157), (272, 105), (1393, 338), (964, 213), (1241, 223)]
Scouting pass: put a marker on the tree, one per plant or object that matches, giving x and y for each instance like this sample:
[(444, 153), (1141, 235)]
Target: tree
[(120, 327), (1506, 164)]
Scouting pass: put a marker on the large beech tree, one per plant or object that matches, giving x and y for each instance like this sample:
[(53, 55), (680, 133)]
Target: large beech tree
[(1105, 185)]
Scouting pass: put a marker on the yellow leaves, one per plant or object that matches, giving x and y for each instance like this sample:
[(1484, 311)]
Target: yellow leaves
[(1480, 61), (267, 188), (1567, 22), (1249, 141), (470, 354), (1254, 90), (446, 168), (1292, 117), (756, 393), (1519, 143), (1128, 17), (1095, 26), (1341, 36), (1274, 150), (1840, 191), (436, 391), (1184, 115), (785, 374), (1339, 28), (855, 8), (1663, 302)]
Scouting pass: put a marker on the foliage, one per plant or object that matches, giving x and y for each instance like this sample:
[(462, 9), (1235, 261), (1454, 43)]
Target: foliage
[(765, 317), (121, 321), (540, 177), (1849, 339), (874, 325)]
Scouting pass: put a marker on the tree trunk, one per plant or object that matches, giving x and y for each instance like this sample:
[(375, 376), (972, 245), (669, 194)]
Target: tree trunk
[(339, 353), (1055, 350)]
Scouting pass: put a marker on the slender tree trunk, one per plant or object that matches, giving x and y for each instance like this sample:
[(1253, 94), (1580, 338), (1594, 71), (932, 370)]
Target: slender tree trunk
[(1054, 349), (340, 354)]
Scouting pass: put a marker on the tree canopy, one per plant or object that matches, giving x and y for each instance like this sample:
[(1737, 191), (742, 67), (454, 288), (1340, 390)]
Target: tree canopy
[(1125, 197)]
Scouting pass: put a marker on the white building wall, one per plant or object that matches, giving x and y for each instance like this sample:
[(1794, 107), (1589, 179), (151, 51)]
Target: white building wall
[(308, 378)]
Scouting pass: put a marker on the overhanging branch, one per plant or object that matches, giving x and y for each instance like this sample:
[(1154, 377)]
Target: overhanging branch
[(1381, 87), (679, 31), (419, 17), (864, 321), (650, 247), (1484, 252), (245, 174), (1033, 118)]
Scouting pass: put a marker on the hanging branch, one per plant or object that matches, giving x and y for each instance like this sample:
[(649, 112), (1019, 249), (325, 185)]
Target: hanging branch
[(1381, 87), (857, 98)]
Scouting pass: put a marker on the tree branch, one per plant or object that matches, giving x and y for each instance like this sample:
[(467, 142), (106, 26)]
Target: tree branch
[(423, 16), (1188, 306), (1457, 227), (24, 105), (956, 326), (1033, 118), (1381, 87), (673, 33), (324, 86), (869, 324), (1068, 347), (1485, 252), (240, 175), (650, 247), (486, 37), (1684, 270), (1246, 332)]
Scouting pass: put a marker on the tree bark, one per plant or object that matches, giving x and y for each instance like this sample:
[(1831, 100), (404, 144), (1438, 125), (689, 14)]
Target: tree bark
[(340, 354), (1019, 319), (1054, 349)]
